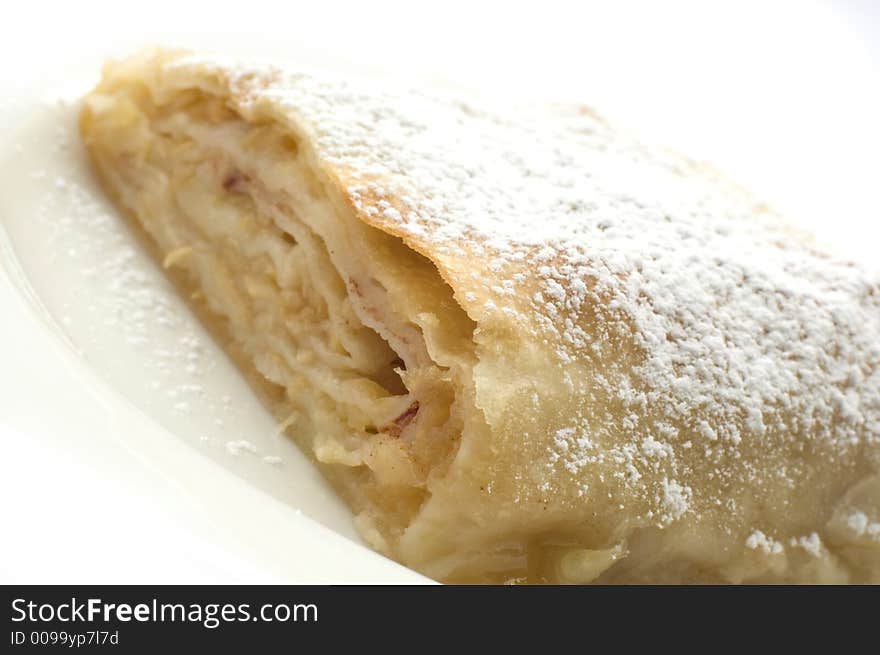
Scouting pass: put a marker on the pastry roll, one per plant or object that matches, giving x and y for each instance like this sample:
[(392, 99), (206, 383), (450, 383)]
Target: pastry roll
[(522, 345)]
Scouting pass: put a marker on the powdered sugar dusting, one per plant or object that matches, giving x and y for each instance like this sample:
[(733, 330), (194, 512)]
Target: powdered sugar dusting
[(757, 540), (675, 500), (810, 543), (859, 523), (238, 446)]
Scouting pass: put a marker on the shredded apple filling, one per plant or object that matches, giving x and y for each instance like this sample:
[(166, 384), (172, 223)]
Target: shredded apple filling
[(359, 380)]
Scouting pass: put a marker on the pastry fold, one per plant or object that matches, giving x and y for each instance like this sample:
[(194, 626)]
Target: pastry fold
[(523, 346)]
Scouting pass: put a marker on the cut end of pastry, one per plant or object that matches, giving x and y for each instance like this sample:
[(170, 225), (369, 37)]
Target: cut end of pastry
[(298, 283)]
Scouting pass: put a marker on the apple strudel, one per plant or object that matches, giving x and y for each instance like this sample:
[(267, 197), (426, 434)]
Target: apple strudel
[(524, 346)]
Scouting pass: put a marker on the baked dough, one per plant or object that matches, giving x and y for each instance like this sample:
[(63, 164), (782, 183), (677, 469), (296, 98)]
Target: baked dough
[(525, 347)]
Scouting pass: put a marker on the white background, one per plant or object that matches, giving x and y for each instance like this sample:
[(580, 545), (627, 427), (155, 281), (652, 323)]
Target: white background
[(784, 96)]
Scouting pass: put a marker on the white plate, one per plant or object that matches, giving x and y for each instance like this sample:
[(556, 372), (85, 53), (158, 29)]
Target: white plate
[(122, 425)]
